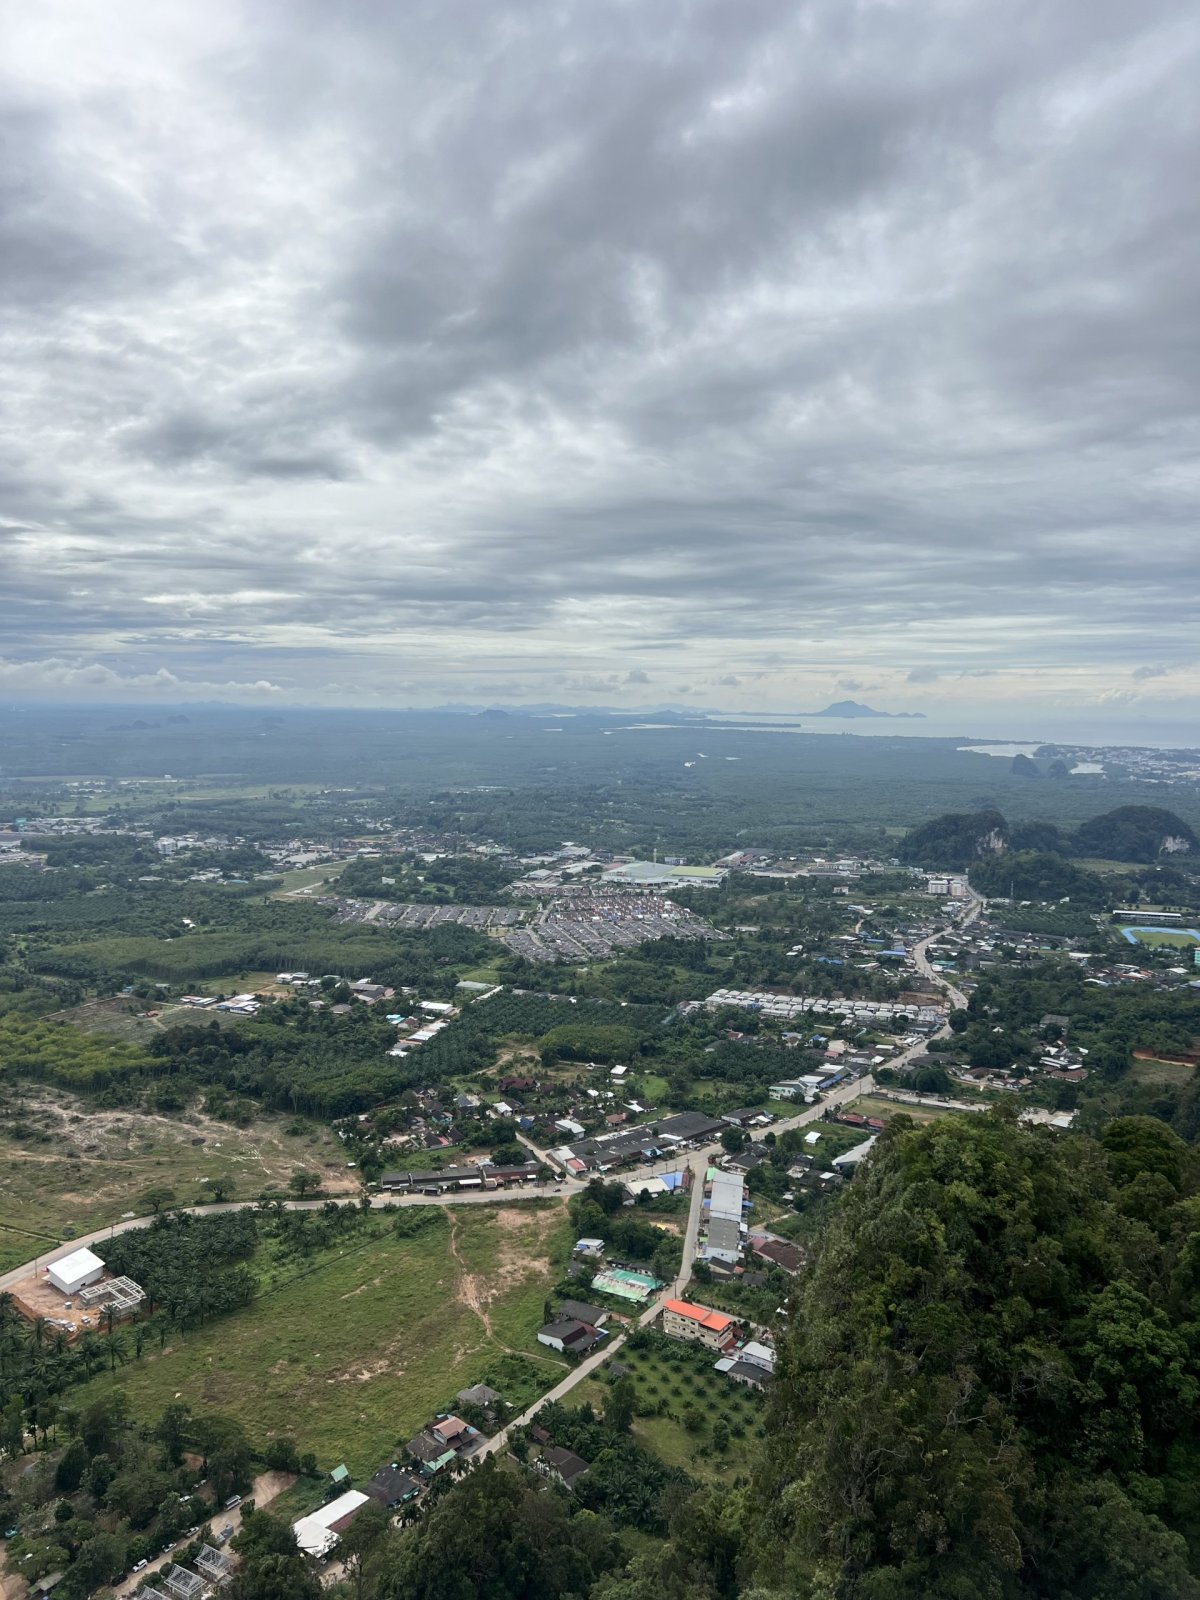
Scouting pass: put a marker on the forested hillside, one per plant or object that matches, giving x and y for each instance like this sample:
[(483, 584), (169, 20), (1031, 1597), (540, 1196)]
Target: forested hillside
[(990, 1384), (957, 840)]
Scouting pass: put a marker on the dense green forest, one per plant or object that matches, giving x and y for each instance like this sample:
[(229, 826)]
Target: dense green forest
[(1035, 875), (990, 1383), (1138, 833)]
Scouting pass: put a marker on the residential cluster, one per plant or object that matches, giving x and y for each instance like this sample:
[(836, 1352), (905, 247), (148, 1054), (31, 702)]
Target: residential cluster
[(596, 923), (445, 1443), (894, 1016), (749, 1361), (645, 1142)]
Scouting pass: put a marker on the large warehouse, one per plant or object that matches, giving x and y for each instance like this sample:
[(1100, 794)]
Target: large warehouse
[(76, 1271)]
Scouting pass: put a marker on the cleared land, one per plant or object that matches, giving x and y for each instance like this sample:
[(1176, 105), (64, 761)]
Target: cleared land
[(872, 1105), (1156, 1071), (71, 1166), (304, 882), (354, 1356)]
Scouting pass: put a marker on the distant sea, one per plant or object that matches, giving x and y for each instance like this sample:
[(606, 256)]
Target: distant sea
[(1028, 730)]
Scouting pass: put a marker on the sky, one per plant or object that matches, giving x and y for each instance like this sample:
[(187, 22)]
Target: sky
[(736, 355)]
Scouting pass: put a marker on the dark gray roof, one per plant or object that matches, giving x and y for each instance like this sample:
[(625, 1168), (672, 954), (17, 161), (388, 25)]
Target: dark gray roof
[(478, 1395), (724, 1234), (582, 1312), (566, 1463), (574, 1334), (424, 1447), (389, 1485), (751, 1372)]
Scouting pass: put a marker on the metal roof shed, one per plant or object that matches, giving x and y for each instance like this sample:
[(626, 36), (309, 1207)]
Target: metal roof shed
[(182, 1584), (74, 1272), (214, 1564)]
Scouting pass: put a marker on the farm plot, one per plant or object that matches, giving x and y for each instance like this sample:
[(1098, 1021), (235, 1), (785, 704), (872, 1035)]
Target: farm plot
[(688, 1414)]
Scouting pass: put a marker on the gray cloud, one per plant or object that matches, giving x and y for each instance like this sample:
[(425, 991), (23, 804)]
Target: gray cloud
[(355, 348)]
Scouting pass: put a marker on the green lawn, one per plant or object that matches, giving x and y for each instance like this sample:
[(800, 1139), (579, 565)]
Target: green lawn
[(357, 1354), (18, 1246), (1160, 1072), (653, 1087), (311, 878), (876, 1106), (487, 972), (1167, 939)]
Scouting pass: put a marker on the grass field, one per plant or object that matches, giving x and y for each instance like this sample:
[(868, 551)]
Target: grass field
[(1155, 1071), (82, 1168), (301, 880), (1167, 939), (487, 972), (138, 1021), (18, 1245), (872, 1105), (356, 1355), (653, 1087)]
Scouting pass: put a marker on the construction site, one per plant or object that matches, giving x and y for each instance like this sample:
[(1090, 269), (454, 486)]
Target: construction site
[(72, 1295)]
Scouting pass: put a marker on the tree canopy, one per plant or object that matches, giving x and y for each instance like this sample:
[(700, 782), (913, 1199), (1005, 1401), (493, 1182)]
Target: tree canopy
[(989, 1384)]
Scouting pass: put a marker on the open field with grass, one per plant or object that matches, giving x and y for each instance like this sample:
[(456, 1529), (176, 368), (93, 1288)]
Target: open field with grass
[(1159, 1072), (873, 1105), (653, 1087), (137, 1021), (308, 881), (486, 972), (18, 1245), (355, 1355), (67, 1165)]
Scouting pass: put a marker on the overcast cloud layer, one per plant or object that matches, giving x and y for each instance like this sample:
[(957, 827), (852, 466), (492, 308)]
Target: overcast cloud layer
[(753, 353)]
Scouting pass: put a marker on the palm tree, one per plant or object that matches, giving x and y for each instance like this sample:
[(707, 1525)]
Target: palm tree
[(89, 1351)]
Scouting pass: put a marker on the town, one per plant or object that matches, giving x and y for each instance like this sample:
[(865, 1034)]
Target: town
[(616, 1099)]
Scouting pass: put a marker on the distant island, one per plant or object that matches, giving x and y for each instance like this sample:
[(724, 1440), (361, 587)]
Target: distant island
[(854, 708)]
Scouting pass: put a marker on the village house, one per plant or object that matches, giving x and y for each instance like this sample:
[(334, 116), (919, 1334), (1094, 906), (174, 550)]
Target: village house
[(389, 1487), (564, 1465), (779, 1252), (697, 1324), (570, 1336)]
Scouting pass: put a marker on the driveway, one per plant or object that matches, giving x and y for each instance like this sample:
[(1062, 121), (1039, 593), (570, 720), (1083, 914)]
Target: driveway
[(265, 1488)]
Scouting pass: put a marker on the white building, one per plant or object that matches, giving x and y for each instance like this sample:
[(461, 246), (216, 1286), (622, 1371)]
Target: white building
[(76, 1271), (318, 1533)]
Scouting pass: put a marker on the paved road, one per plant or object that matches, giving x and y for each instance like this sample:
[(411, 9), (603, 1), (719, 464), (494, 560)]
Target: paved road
[(699, 1160), (921, 956)]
